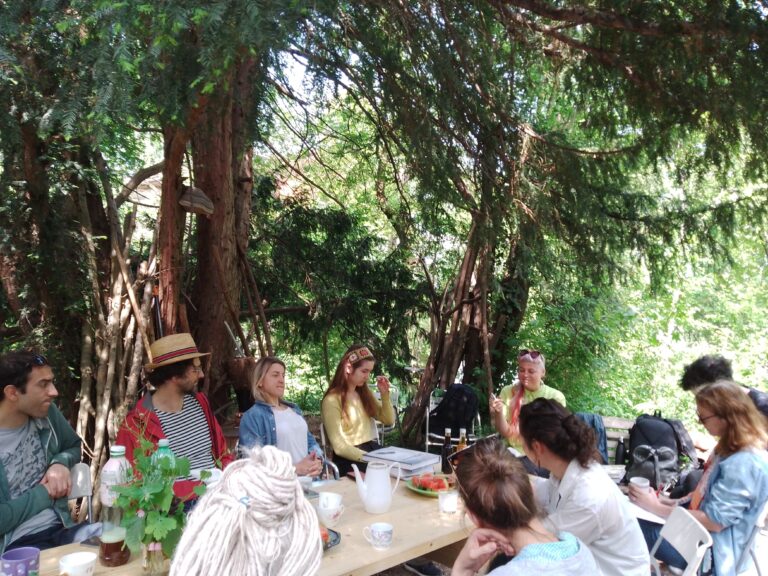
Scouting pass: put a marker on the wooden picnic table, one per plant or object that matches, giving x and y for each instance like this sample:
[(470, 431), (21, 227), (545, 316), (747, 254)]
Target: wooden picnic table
[(419, 530)]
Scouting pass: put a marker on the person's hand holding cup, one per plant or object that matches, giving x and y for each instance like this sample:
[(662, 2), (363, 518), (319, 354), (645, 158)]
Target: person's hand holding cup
[(640, 492)]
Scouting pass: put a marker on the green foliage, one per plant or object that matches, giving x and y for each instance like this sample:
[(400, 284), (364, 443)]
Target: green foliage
[(151, 513)]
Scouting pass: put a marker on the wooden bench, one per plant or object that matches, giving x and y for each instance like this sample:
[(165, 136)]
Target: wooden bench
[(616, 428)]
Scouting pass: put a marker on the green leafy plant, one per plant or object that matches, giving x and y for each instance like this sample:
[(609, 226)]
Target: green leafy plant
[(151, 513)]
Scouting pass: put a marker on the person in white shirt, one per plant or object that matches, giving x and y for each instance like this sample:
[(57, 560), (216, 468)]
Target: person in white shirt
[(499, 500), (580, 497)]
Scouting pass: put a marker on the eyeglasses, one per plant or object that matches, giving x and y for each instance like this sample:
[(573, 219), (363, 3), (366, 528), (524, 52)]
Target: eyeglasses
[(532, 353), (702, 420)]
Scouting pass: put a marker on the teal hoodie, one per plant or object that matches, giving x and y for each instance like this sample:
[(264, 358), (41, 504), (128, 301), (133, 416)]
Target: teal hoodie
[(62, 446)]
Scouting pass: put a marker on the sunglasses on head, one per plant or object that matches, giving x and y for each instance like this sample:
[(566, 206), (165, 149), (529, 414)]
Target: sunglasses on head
[(532, 353), (37, 360)]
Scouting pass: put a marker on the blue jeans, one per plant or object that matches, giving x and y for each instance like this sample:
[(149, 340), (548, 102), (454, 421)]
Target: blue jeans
[(666, 553), (57, 536)]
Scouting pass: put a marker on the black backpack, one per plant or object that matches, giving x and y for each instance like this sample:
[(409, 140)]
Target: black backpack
[(457, 409), (660, 450)]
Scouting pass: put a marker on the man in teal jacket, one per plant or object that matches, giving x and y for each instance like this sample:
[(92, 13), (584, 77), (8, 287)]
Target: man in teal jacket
[(37, 449)]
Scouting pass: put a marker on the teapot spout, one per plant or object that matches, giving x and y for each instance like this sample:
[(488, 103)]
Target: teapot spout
[(362, 489)]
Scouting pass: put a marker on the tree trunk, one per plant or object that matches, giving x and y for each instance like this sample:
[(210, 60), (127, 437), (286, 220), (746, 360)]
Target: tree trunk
[(171, 227)]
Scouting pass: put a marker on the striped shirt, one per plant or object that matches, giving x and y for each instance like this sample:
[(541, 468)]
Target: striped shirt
[(188, 434)]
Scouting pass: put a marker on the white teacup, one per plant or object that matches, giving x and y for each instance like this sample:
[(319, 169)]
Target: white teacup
[(642, 484), (329, 500), (330, 516), (78, 564), (379, 535), (329, 508)]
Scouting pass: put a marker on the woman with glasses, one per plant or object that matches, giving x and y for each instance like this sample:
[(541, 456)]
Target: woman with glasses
[(349, 408), (734, 486), (272, 421), (579, 496), (500, 502), (505, 410)]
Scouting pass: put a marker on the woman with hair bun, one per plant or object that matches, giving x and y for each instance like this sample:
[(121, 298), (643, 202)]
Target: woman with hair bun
[(580, 497), (499, 500)]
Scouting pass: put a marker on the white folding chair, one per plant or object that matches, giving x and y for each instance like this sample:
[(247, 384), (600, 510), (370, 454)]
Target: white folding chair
[(749, 547), (686, 535), (82, 486)]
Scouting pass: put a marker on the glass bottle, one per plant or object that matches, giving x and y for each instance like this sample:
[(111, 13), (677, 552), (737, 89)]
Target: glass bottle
[(462, 440), (446, 452), (112, 548)]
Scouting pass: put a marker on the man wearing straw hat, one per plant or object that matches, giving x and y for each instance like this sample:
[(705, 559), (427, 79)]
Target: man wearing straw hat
[(176, 411)]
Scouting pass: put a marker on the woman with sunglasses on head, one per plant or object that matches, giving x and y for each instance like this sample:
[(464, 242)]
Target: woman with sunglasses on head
[(734, 487), (579, 496), (505, 410), (349, 408), (272, 421), (499, 500)]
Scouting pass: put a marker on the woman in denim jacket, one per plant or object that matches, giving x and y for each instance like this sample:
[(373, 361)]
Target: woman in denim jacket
[(734, 487), (272, 421)]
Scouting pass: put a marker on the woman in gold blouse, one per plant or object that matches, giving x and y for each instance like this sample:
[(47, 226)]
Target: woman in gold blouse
[(349, 408)]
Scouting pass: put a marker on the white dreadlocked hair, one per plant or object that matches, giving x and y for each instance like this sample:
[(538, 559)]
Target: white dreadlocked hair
[(254, 522)]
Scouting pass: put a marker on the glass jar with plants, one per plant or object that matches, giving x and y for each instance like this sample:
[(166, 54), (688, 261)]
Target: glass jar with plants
[(152, 516)]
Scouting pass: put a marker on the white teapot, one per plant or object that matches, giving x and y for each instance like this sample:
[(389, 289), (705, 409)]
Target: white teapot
[(376, 490)]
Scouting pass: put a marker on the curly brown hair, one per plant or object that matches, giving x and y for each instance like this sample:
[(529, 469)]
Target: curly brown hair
[(558, 429)]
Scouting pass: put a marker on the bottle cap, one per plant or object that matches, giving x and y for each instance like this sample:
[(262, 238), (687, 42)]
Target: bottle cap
[(117, 450), (163, 443), (462, 430), (448, 431)]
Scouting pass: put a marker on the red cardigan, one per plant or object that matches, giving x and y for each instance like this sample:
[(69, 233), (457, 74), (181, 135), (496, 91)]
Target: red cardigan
[(143, 420)]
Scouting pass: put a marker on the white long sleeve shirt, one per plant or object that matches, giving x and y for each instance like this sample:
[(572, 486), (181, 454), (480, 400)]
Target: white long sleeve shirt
[(589, 505)]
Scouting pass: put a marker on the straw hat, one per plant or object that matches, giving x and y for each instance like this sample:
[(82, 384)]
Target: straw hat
[(172, 349)]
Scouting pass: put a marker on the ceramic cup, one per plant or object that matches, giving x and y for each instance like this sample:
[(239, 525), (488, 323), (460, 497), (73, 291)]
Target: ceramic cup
[(379, 535), (77, 564), (20, 562), (641, 483), (448, 501), (328, 500), (329, 508)]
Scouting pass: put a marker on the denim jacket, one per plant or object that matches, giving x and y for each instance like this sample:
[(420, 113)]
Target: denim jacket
[(737, 490), (257, 426)]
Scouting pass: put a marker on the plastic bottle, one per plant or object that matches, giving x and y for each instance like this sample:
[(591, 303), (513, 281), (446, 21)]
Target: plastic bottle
[(446, 452), (112, 548), (621, 452), (164, 452)]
